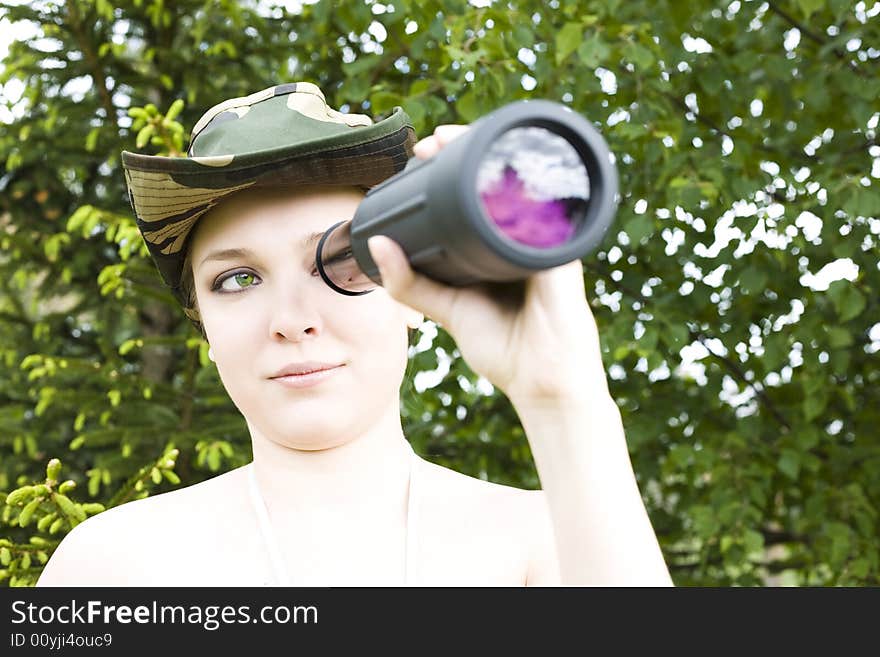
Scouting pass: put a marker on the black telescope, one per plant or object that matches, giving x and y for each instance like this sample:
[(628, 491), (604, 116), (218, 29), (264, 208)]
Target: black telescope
[(530, 186)]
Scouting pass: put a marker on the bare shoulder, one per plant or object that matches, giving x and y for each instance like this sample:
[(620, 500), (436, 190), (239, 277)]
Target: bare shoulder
[(107, 548), (517, 521), (462, 490)]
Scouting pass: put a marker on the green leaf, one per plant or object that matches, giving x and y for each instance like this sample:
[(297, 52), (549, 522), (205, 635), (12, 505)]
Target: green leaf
[(593, 51), (214, 459), (44, 522), (789, 464), (753, 280), (523, 37), (175, 109), (128, 345), (814, 404), (639, 227), (675, 335), (648, 341), (53, 469), (807, 437), (94, 484), (68, 508), (863, 202), (776, 350), (726, 543), (144, 135), (438, 28), (468, 106), (382, 102), (115, 396), (839, 337), (840, 542), (860, 568), (27, 512), (848, 301), (753, 541), (840, 361), (417, 113), (808, 7), (92, 139), (567, 40), (638, 55)]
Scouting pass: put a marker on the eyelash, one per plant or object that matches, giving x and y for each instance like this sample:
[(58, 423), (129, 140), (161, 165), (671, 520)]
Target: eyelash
[(218, 284)]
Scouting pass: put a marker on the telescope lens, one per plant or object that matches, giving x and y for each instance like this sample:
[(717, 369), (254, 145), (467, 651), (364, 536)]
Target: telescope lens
[(534, 187), (336, 263)]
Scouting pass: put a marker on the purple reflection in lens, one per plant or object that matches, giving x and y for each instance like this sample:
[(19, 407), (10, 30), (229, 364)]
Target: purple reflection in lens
[(524, 219)]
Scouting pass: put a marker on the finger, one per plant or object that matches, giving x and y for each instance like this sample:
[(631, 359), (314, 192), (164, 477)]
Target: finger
[(448, 131), (426, 147), (408, 287), (443, 134)]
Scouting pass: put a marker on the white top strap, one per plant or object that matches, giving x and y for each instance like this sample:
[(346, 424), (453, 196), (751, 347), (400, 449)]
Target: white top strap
[(412, 521), (282, 577)]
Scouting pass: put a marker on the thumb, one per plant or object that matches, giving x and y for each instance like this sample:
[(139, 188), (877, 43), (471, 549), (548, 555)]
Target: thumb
[(386, 258), (415, 290)]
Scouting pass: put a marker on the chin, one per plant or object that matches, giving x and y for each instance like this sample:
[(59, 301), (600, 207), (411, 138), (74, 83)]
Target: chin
[(303, 444), (301, 425)]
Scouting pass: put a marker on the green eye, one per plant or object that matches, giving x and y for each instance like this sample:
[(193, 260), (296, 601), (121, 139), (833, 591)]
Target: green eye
[(240, 277), (243, 278)]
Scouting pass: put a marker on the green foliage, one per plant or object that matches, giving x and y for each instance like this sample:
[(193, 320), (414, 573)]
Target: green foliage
[(759, 464)]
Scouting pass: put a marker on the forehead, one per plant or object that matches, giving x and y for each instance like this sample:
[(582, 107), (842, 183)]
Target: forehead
[(273, 216)]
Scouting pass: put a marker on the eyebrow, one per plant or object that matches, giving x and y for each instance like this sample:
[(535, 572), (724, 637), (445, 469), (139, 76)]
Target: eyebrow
[(309, 241)]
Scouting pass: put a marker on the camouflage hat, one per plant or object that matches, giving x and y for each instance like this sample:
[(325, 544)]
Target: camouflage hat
[(284, 135)]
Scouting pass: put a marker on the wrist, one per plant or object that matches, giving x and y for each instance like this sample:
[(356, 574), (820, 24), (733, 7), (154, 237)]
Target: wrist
[(573, 430), (574, 395)]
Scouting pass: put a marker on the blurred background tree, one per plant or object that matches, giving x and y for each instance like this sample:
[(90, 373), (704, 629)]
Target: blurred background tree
[(737, 296)]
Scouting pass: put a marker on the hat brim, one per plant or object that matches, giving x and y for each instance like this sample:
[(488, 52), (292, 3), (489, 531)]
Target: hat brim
[(170, 194)]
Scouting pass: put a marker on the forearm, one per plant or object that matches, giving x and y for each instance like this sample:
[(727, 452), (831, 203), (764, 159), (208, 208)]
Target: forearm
[(603, 534)]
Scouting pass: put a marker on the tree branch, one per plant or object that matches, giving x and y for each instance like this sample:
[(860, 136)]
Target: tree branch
[(701, 118), (86, 46), (803, 29), (759, 392), (776, 9), (700, 336)]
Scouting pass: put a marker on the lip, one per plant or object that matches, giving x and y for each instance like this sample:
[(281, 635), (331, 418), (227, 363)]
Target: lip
[(304, 368), (306, 380), (309, 379)]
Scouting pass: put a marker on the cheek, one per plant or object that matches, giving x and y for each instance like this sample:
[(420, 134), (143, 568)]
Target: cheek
[(233, 342), (231, 319), (236, 370), (377, 337), (378, 323)]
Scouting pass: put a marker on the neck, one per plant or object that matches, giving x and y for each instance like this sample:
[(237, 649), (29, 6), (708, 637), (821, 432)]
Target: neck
[(362, 474)]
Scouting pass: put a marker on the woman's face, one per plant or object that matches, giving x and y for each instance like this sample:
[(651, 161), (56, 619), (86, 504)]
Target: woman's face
[(267, 307)]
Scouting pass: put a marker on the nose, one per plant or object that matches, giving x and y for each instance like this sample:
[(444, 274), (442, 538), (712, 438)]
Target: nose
[(295, 312)]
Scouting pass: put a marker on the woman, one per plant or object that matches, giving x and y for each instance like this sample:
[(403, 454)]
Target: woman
[(335, 495)]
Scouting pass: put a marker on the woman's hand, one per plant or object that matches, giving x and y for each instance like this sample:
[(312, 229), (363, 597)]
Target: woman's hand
[(536, 340)]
